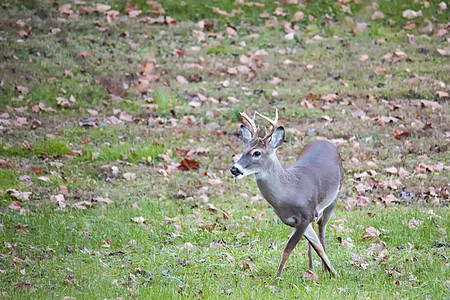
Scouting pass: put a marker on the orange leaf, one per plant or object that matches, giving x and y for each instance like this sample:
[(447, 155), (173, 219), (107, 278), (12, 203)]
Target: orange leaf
[(188, 164)]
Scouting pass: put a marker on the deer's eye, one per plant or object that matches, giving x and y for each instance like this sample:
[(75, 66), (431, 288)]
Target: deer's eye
[(256, 154)]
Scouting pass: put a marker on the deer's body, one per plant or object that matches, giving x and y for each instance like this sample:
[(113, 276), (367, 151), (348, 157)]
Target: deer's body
[(300, 194), (305, 189)]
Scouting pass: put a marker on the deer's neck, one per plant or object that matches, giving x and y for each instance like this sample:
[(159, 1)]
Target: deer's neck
[(271, 181)]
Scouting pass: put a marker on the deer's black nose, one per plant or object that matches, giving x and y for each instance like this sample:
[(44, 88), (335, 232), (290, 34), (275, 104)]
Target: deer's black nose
[(235, 171)]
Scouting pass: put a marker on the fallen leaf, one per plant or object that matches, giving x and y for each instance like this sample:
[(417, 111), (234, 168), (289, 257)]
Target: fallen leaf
[(6, 164), (85, 54), (289, 37), (389, 199), (102, 200), (21, 196), (16, 205), (330, 98), (188, 164), (380, 71), (411, 14), (190, 247), (231, 32), (246, 266), (23, 90), (444, 52), (347, 243), (402, 173), (414, 224), (139, 220), (44, 178), (399, 134), (82, 205), (378, 15), (310, 275), (182, 79), (28, 286), (298, 16), (377, 248), (129, 176), (371, 233), (442, 94), (59, 200), (364, 58), (392, 170), (431, 104), (63, 102)]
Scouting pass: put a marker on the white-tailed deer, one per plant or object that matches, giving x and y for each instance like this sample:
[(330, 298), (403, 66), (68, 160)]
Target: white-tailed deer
[(300, 194)]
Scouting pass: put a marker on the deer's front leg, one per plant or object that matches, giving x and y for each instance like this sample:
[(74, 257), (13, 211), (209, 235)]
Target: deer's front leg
[(311, 236), (293, 241)]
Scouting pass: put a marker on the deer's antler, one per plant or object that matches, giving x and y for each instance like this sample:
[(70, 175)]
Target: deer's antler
[(273, 124), (250, 122)]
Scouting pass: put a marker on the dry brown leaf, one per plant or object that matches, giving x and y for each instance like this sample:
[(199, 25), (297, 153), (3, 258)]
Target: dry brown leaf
[(347, 243), (380, 71), (103, 8), (414, 224), (298, 16), (442, 94), (279, 12), (402, 173), (411, 14), (330, 98), (444, 52), (188, 164), (389, 199), (129, 176), (431, 104), (371, 233), (392, 170), (364, 58), (290, 36), (23, 90), (139, 220), (378, 15), (16, 205), (219, 11), (310, 275), (231, 32), (6, 164), (21, 196), (182, 79), (383, 120), (190, 247), (102, 200), (59, 200)]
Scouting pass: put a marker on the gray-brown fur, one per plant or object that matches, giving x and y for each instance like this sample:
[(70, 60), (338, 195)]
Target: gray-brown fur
[(298, 193)]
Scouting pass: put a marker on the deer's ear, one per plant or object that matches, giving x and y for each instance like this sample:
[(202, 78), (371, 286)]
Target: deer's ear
[(277, 138), (246, 134)]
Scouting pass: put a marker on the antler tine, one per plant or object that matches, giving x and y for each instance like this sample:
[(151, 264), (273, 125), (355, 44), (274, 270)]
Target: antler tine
[(273, 123), (250, 121)]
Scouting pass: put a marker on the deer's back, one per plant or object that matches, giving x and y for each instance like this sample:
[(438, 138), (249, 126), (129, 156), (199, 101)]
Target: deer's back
[(320, 168)]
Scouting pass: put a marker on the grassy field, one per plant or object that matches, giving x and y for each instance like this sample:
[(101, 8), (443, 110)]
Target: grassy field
[(119, 124)]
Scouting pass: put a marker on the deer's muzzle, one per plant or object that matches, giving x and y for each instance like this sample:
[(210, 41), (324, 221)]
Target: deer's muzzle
[(235, 171)]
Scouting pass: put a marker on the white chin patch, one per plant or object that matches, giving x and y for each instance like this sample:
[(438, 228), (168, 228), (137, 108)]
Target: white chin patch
[(240, 176)]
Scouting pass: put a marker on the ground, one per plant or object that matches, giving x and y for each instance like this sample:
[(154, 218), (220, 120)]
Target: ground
[(119, 122)]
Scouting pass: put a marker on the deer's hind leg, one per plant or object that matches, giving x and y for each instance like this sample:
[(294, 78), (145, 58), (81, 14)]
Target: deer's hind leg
[(323, 221), (312, 238)]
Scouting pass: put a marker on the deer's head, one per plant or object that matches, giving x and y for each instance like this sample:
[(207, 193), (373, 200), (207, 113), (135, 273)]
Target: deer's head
[(259, 153)]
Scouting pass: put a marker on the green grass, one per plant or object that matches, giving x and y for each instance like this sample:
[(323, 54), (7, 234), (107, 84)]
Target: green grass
[(149, 251), (165, 101), (83, 151), (129, 152)]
